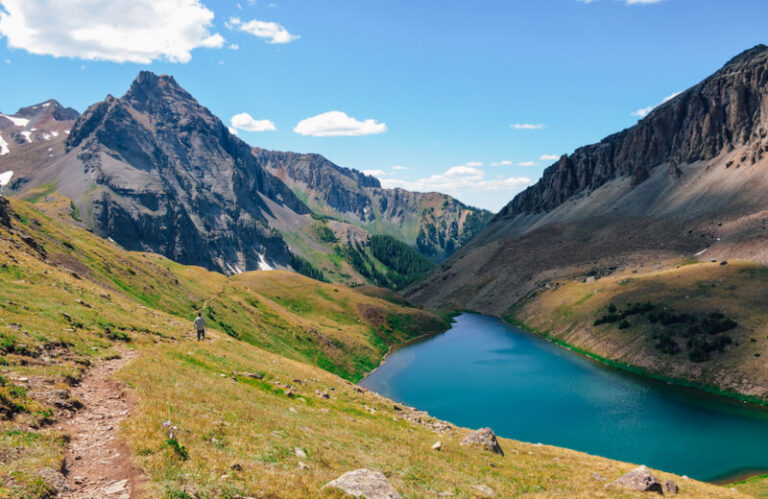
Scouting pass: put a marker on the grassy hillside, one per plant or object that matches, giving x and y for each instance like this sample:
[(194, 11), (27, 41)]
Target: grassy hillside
[(278, 311), (242, 401), (703, 324)]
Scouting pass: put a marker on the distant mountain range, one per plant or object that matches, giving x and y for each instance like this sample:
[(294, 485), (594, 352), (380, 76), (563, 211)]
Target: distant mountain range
[(156, 171), (689, 179)]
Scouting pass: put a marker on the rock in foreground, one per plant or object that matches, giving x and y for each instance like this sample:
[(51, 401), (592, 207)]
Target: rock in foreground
[(484, 437), (639, 479), (365, 483)]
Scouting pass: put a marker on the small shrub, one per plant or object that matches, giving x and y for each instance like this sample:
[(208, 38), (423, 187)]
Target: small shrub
[(624, 324)]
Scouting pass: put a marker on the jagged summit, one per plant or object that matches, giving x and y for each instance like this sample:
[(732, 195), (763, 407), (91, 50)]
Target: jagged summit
[(150, 91), (50, 107), (720, 114), (756, 53)]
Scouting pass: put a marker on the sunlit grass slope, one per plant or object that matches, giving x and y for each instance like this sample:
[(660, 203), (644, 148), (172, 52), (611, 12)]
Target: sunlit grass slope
[(68, 299), (689, 293)]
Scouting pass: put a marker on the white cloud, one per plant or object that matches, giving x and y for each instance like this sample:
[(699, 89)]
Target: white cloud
[(549, 157), (273, 32), (460, 179), (138, 31), (375, 173), (245, 121), (526, 163), (233, 131), (233, 46), (505, 162), (400, 168), (338, 124), (474, 163), (527, 126), (642, 113)]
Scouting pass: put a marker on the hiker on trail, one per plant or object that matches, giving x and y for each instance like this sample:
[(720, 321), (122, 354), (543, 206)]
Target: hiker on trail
[(199, 326)]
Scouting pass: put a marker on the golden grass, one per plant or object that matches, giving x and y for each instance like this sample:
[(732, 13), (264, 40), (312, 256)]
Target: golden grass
[(738, 289), (110, 295)]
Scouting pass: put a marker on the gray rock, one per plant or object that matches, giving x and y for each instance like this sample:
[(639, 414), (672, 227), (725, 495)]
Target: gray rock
[(365, 483), (639, 479), (484, 437), (484, 491), (54, 479), (437, 445), (670, 487)]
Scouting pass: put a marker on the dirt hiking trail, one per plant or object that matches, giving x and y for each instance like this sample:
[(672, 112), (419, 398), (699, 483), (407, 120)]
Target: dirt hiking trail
[(98, 464)]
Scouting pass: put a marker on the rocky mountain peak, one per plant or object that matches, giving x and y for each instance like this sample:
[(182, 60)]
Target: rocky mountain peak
[(150, 92), (724, 112), (50, 107), (757, 54)]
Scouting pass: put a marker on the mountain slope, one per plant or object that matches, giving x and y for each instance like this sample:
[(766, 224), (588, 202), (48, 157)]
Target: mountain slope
[(433, 223), (686, 183), (156, 171), (240, 411)]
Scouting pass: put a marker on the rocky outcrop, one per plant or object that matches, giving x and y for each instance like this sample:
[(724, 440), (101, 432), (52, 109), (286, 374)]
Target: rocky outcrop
[(639, 479), (722, 112), (365, 483), (485, 438), (163, 174), (5, 212), (435, 224), (335, 186)]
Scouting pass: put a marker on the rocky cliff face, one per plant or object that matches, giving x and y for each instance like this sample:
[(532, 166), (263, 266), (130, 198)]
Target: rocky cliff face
[(333, 186), (435, 224), (156, 171), (725, 111), (688, 181)]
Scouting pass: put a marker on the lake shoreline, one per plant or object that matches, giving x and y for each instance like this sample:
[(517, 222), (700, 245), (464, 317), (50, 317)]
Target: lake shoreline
[(754, 402), (705, 392)]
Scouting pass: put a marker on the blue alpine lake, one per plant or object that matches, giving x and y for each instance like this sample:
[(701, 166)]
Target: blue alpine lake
[(483, 372)]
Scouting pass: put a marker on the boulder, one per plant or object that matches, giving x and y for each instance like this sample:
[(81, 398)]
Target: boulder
[(670, 487), (365, 483), (484, 437), (483, 491), (639, 479), (54, 479), (437, 445)]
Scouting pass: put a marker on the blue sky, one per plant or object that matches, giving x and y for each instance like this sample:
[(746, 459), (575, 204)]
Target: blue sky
[(433, 87)]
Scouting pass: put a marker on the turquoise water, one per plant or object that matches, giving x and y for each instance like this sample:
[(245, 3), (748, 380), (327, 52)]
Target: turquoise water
[(483, 372)]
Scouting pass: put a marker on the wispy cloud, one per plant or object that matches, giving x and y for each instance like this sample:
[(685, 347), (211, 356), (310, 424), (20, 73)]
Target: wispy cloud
[(527, 126), (505, 162), (549, 157), (138, 31), (400, 168), (245, 121), (338, 124), (272, 32), (376, 173), (526, 163), (459, 179), (642, 113)]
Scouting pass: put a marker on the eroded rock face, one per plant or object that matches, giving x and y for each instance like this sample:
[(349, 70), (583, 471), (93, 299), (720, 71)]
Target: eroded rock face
[(365, 483), (485, 438), (163, 174), (639, 479), (5, 212), (720, 113)]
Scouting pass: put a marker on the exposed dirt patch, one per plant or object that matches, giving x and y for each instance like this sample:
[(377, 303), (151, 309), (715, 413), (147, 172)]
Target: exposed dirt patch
[(98, 464)]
